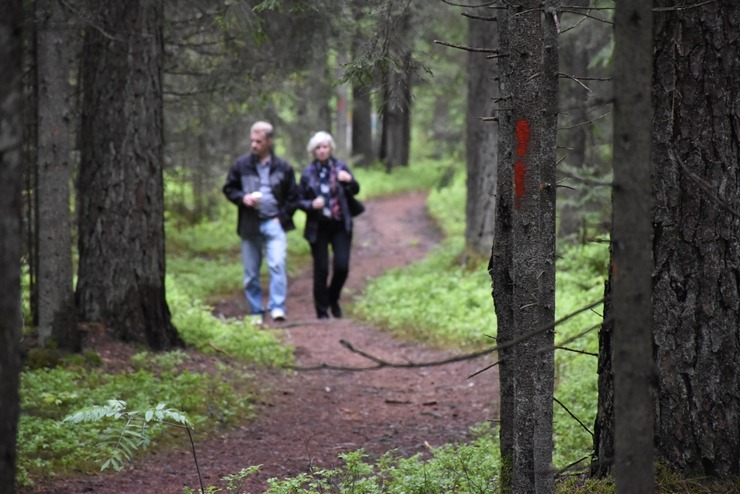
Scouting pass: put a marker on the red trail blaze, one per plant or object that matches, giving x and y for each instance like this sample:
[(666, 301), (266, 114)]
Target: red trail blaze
[(522, 137), (520, 169), (519, 172)]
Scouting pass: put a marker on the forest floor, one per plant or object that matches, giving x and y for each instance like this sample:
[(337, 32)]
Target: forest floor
[(305, 419)]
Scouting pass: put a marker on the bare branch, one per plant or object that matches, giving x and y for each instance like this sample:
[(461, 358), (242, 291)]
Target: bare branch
[(466, 48), (534, 333), (605, 21), (491, 5), (570, 466), (573, 416), (479, 17), (560, 74), (586, 122), (382, 363), (575, 350), (681, 8), (585, 181)]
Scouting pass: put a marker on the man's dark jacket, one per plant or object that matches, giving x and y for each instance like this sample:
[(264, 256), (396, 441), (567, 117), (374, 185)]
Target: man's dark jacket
[(244, 179)]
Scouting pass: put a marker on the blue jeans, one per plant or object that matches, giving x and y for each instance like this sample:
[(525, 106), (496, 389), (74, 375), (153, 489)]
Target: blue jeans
[(273, 239)]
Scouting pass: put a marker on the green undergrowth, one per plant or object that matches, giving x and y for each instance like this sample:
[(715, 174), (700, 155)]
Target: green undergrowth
[(465, 468), (203, 267), (48, 446), (421, 175), (445, 300)]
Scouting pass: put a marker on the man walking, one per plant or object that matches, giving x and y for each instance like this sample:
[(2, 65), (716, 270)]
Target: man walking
[(264, 189)]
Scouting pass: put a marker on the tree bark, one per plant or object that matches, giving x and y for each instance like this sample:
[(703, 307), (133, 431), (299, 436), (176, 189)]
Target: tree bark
[(121, 206), (11, 130), (481, 145), (57, 311), (341, 112), (500, 266), (396, 135), (396, 120), (362, 131), (632, 262), (696, 281), (529, 82)]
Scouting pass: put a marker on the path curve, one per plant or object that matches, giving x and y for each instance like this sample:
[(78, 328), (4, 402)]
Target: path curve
[(305, 419)]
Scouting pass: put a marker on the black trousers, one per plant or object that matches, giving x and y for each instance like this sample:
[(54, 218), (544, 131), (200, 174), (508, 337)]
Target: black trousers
[(330, 233)]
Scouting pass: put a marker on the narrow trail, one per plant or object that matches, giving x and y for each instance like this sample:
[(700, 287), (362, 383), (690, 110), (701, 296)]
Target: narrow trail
[(305, 419)]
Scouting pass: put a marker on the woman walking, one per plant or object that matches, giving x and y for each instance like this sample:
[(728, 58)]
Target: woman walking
[(327, 189)]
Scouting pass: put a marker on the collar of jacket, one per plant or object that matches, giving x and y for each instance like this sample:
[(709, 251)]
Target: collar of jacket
[(254, 160)]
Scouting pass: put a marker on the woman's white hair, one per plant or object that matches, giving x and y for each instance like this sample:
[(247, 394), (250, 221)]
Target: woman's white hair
[(320, 137)]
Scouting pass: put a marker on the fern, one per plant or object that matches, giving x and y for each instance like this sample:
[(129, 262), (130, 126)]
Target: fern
[(134, 435)]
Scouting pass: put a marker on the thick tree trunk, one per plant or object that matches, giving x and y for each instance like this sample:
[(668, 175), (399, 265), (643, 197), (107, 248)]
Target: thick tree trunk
[(632, 262), (57, 311), (529, 81), (121, 210), (696, 281), (11, 130), (481, 146)]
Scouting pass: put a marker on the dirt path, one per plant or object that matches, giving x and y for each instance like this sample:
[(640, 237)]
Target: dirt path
[(307, 418)]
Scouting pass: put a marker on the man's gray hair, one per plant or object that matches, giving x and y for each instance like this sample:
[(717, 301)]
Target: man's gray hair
[(263, 128), (320, 137)]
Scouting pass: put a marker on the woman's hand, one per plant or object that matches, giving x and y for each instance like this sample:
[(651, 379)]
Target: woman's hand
[(318, 203), (344, 176)]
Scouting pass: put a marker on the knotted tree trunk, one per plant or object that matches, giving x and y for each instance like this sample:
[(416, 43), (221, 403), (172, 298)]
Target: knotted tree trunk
[(121, 200)]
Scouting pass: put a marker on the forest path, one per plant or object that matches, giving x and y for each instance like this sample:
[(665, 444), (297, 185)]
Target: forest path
[(306, 418)]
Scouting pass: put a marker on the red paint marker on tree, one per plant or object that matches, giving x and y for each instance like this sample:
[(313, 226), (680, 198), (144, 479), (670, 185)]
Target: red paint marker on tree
[(520, 169), (522, 137)]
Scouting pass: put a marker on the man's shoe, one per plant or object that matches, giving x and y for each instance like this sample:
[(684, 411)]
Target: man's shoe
[(336, 311), (256, 320), (277, 314)]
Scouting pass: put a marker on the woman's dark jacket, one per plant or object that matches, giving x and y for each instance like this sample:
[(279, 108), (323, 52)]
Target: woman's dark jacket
[(243, 178), (309, 189)]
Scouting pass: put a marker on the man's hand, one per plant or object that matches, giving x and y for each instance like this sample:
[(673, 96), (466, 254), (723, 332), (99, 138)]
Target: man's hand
[(250, 201)]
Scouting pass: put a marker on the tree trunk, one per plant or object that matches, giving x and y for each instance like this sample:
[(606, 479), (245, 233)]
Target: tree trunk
[(396, 121), (632, 262), (696, 281), (57, 312), (362, 127), (577, 49), (396, 135), (11, 131), (362, 132), (341, 113), (500, 266), (604, 427), (121, 210), (481, 144), (529, 81)]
